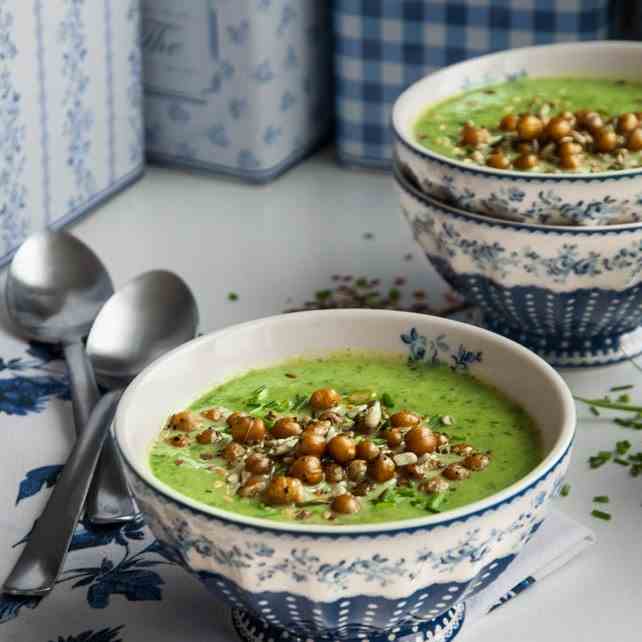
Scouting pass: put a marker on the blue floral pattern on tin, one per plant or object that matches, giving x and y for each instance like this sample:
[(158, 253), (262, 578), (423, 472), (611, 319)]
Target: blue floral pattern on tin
[(135, 89), (79, 118), (13, 192)]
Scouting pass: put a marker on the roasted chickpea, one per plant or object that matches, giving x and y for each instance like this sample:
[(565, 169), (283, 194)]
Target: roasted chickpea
[(626, 123), (605, 140), (569, 116), (213, 414), (233, 452), (394, 437), (334, 473), (456, 472), (381, 469), (234, 417), (248, 430), (594, 122), (357, 470), (258, 463), (634, 141), (311, 444), (342, 449), (317, 428), (570, 162), (582, 114), (569, 148), (367, 450), (286, 427), (462, 450), (333, 417), (434, 486), (526, 161), (284, 490), (557, 128), (529, 127), (404, 419), (477, 461), (254, 486), (498, 160), (308, 470), (324, 399), (474, 136), (185, 421), (178, 441), (206, 437), (526, 148), (345, 504), (421, 440), (509, 123)]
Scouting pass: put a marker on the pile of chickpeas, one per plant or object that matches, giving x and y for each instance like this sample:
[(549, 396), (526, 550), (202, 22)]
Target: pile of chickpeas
[(564, 139), (277, 458)]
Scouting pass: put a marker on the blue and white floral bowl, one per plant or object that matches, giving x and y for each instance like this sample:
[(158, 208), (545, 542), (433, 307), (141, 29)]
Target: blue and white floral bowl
[(604, 198), (370, 582), (571, 294)]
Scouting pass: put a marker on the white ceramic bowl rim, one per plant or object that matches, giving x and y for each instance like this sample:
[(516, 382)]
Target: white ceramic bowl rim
[(491, 221), (546, 467), (422, 86)]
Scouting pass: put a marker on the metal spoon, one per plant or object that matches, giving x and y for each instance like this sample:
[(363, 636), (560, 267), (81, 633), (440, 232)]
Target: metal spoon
[(55, 287), (150, 315)]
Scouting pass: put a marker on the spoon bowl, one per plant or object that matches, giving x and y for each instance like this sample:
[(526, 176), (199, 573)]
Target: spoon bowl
[(55, 287), (149, 316)]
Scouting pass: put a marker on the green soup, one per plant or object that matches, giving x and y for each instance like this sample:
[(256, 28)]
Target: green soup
[(440, 127), (457, 406)]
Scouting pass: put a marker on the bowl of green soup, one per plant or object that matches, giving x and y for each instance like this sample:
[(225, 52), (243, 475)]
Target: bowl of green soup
[(346, 474), (546, 135)]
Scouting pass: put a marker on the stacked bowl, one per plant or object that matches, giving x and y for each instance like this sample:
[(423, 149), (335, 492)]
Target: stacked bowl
[(553, 260)]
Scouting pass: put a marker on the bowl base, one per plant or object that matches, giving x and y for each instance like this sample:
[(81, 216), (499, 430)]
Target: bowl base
[(442, 629), (563, 352)]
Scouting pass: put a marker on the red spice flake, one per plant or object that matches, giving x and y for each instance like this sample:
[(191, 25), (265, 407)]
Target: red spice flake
[(336, 277), (375, 282), (400, 280), (178, 462), (419, 294), (347, 278), (206, 456)]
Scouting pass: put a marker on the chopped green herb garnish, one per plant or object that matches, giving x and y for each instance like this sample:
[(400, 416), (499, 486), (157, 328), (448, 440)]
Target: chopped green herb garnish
[(435, 502), (232, 296), (323, 295), (624, 398), (601, 499), (394, 294), (594, 411), (636, 424), (565, 490), (387, 400), (622, 462), (623, 447), (618, 388), (599, 514), (600, 459), (611, 405), (299, 402)]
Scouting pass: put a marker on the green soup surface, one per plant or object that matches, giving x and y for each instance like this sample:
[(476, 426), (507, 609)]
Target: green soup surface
[(440, 127), (457, 405)]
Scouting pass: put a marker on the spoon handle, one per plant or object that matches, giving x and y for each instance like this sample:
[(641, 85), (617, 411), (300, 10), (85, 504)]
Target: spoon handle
[(43, 556), (109, 500), (84, 391)]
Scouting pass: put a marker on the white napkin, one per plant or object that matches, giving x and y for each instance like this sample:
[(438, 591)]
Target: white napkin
[(559, 540)]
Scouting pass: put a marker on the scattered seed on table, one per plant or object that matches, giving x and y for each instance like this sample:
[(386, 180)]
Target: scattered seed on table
[(599, 514), (232, 296)]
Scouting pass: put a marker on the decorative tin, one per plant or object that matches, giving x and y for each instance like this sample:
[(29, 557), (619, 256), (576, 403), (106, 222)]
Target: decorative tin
[(71, 130), (383, 46), (239, 87)]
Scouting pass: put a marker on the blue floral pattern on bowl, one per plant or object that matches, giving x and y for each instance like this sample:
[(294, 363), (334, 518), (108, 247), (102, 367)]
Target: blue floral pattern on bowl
[(574, 295), (604, 198)]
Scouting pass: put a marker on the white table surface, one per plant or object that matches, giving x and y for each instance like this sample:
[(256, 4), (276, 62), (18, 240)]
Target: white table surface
[(275, 246)]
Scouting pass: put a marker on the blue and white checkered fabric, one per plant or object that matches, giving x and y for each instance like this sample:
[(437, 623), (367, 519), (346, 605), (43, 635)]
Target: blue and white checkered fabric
[(382, 46)]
